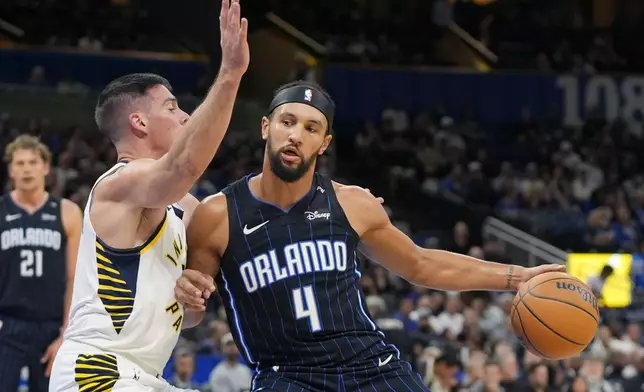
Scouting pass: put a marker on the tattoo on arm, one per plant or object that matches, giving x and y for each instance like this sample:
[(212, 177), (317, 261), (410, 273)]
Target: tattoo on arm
[(508, 283)]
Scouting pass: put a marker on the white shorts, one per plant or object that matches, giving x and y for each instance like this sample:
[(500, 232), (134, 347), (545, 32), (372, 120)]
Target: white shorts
[(80, 368)]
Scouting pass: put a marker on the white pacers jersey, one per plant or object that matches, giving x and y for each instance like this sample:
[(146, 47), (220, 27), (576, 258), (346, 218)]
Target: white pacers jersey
[(123, 300)]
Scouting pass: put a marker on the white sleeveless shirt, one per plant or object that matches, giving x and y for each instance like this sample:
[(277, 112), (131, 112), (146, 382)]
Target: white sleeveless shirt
[(123, 300)]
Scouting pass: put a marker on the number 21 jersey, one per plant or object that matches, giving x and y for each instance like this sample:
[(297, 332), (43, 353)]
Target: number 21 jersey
[(32, 261)]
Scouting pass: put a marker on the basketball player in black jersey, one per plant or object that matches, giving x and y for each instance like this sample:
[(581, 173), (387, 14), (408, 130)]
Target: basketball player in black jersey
[(282, 246), (39, 236)]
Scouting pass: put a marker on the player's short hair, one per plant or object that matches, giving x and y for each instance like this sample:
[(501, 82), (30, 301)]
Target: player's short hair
[(118, 95), (303, 83), (27, 142)]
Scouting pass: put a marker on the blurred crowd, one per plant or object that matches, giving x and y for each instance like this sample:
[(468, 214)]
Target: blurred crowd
[(551, 36), (580, 187)]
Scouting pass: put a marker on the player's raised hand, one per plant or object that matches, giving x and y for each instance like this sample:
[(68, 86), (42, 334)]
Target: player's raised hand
[(193, 288), (234, 33)]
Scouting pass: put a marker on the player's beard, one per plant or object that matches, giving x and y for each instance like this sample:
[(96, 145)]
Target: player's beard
[(288, 173)]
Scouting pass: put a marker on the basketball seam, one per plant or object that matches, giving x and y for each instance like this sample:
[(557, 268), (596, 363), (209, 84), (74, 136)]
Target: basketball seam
[(547, 326), (567, 303), (525, 335)]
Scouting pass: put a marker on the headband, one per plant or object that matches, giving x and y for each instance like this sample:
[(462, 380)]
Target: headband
[(308, 96)]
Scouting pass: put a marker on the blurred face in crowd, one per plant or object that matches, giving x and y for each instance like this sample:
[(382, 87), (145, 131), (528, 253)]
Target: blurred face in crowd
[(461, 232), (475, 365), (509, 367), (579, 384), (593, 369), (633, 331), (159, 118), (452, 305), (445, 371), (406, 306), (185, 367), (492, 375), (295, 135), (28, 170), (217, 330), (604, 334), (539, 377), (230, 350)]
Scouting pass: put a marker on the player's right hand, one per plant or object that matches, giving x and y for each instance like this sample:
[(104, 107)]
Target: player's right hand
[(235, 54), (193, 288)]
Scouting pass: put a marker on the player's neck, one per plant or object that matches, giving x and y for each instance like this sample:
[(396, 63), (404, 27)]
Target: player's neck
[(272, 189), (30, 199), (130, 152)]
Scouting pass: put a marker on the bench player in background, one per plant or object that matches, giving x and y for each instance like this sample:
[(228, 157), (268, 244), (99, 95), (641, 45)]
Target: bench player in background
[(282, 246), (39, 236), (125, 320)]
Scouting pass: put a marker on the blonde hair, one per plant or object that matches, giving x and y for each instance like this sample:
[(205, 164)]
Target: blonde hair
[(27, 142)]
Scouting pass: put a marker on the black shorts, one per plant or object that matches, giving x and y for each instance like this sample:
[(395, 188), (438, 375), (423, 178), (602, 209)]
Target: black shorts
[(395, 375), (23, 343)]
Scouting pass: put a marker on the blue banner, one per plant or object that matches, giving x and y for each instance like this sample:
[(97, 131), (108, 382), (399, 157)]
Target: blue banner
[(97, 69), (361, 94)]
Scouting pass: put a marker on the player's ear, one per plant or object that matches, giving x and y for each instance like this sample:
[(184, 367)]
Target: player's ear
[(325, 144), (138, 124), (47, 168), (266, 122)]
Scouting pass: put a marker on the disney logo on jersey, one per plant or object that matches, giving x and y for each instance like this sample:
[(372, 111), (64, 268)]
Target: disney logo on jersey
[(317, 215)]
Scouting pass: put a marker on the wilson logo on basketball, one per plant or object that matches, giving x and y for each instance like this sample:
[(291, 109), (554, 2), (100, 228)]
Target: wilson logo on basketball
[(586, 295)]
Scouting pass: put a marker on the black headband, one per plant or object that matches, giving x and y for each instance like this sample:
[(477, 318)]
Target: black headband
[(308, 96)]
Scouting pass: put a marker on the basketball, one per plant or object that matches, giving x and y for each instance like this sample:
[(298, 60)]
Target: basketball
[(555, 315)]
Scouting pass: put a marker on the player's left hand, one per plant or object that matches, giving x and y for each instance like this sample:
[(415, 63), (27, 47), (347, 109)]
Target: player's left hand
[(193, 288), (50, 355), (529, 273)]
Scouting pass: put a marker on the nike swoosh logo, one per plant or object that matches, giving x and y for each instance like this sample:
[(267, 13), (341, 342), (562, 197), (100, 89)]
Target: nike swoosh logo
[(386, 361), (248, 231), (13, 217)]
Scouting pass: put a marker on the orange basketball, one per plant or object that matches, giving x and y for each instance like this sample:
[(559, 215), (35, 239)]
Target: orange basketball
[(555, 315)]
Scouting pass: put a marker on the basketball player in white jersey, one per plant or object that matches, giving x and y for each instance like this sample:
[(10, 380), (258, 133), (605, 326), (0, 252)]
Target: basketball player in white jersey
[(124, 320)]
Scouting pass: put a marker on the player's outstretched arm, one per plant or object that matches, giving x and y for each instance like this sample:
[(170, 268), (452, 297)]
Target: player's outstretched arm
[(383, 242), (158, 183), (207, 237), (72, 218)]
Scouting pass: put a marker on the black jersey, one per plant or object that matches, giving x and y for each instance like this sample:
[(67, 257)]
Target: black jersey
[(289, 281), (32, 261)]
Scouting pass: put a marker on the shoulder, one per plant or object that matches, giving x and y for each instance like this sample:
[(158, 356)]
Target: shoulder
[(209, 222), (363, 210), (351, 195), (121, 176), (215, 204), (72, 216), (70, 209)]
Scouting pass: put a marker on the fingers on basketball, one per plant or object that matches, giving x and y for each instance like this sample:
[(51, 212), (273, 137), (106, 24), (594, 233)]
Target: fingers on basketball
[(555, 315)]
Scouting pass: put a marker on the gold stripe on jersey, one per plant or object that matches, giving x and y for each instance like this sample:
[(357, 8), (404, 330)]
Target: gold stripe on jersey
[(113, 289), (96, 372), (155, 238)]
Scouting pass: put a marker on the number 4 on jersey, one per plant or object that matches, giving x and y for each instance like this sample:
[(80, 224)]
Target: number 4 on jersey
[(305, 306)]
